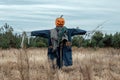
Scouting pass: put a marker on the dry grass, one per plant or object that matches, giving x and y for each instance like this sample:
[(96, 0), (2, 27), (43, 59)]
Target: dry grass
[(33, 64)]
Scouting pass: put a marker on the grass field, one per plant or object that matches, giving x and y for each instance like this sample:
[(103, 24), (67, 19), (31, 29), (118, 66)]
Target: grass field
[(33, 64)]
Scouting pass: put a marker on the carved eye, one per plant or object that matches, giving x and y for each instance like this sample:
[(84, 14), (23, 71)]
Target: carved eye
[(58, 21)]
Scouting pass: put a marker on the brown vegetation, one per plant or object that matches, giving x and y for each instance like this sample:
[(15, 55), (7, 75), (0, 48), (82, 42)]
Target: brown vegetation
[(33, 64)]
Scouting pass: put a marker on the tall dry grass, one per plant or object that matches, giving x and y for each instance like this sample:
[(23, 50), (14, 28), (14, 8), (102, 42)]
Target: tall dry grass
[(33, 64)]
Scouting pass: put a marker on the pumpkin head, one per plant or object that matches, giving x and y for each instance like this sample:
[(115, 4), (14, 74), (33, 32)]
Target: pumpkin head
[(60, 22)]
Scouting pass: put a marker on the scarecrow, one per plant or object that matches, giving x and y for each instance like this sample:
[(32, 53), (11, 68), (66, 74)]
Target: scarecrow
[(59, 42)]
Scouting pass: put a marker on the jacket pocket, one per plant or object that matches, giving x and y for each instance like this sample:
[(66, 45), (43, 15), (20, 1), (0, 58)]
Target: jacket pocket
[(67, 49)]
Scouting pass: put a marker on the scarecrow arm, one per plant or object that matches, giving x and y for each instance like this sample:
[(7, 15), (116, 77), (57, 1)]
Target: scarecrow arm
[(77, 32), (42, 33)]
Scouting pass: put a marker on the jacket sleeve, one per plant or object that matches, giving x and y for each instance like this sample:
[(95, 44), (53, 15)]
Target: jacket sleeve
[(42, 33), (77, 32)]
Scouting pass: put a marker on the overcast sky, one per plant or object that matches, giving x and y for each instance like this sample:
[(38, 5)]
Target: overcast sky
[(30, 15)]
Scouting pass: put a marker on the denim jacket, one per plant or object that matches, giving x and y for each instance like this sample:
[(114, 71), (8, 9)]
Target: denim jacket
[(66, 50)]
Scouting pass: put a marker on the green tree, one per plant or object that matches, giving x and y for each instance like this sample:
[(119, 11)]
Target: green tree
[(77, 41), (97, 39), (116, 40), (6, 35), (86, 43), (38, 42), (107, 40)]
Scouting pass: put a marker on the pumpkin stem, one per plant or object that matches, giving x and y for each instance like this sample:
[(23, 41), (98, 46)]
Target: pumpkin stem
[(61, 16)]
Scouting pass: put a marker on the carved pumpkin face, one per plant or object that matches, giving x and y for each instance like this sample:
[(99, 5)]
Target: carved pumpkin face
[(60, 22)]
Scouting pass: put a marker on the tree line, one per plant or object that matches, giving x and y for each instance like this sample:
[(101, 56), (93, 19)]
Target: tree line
[(8, 39), (98, 40)]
